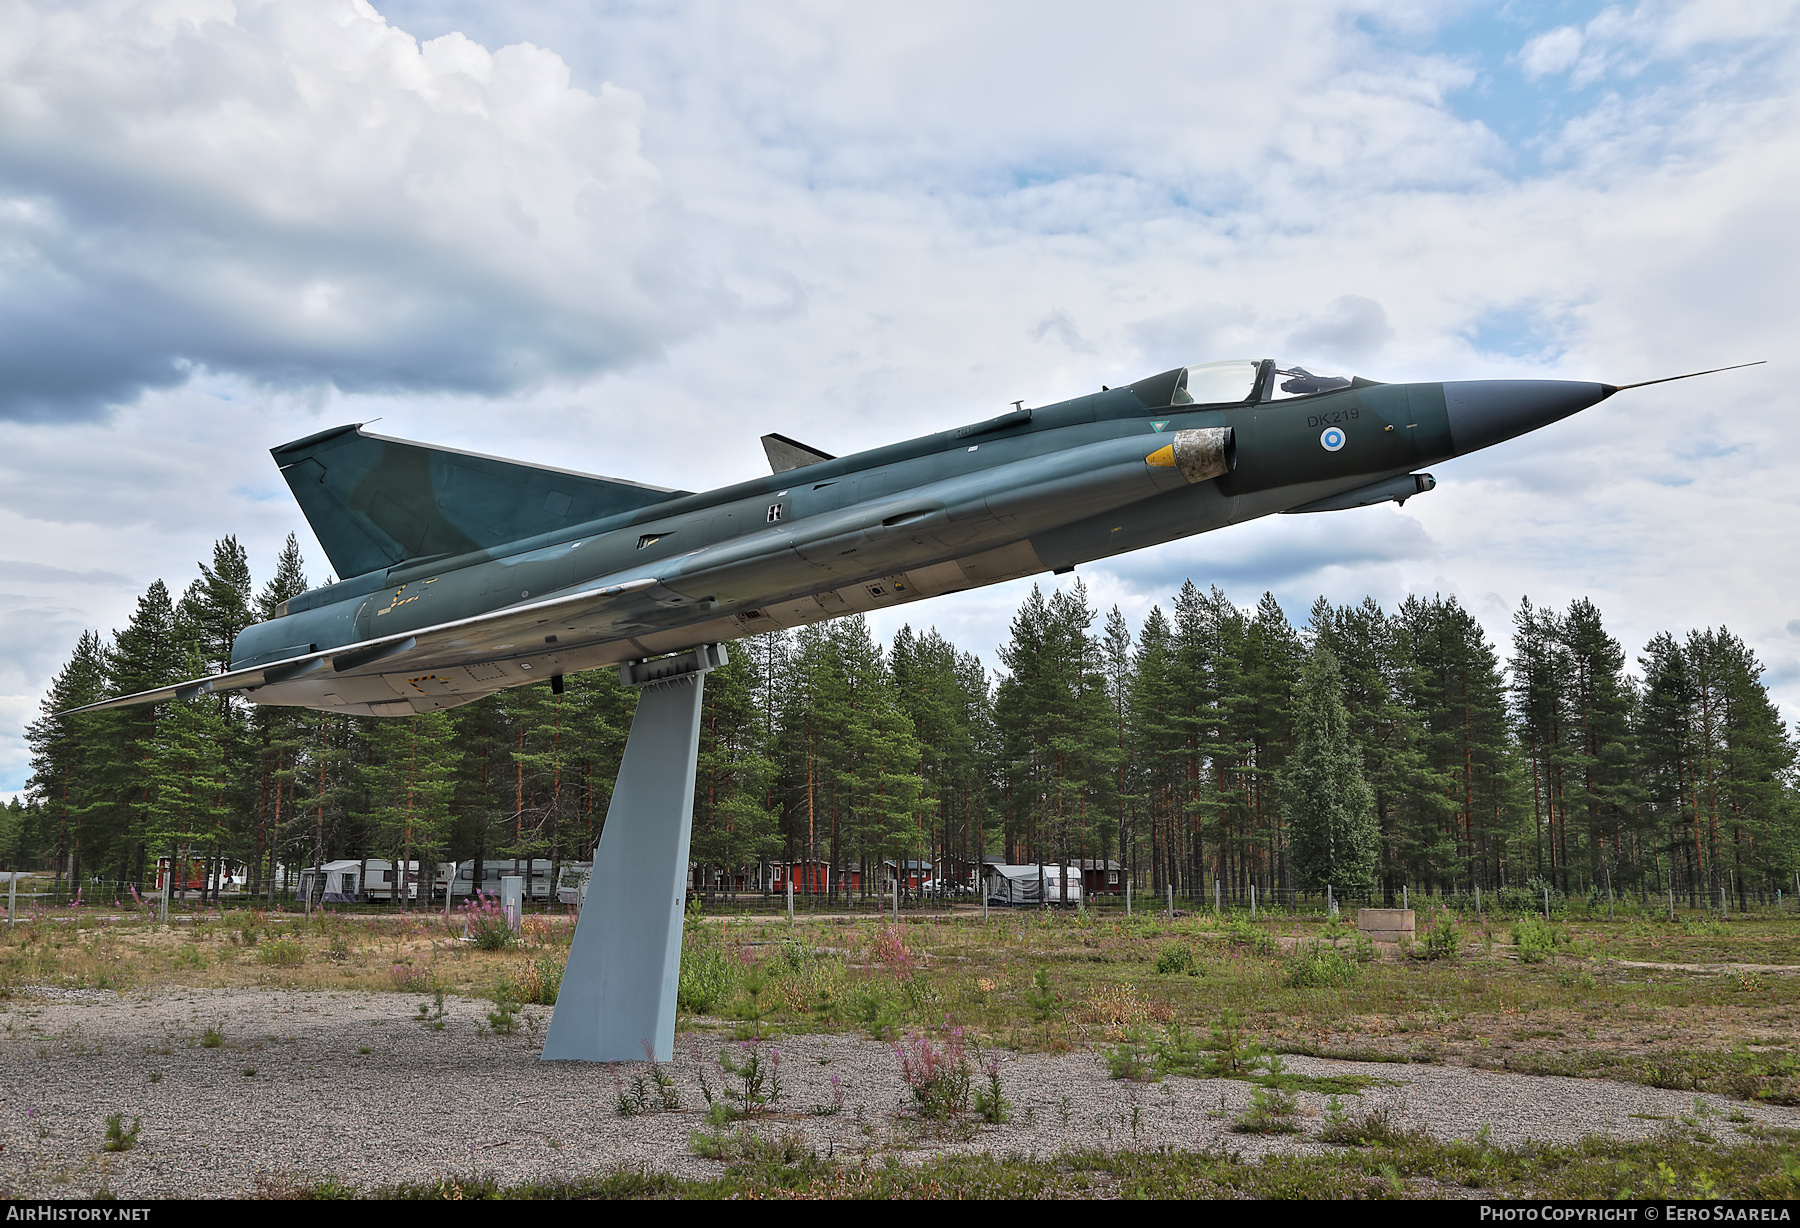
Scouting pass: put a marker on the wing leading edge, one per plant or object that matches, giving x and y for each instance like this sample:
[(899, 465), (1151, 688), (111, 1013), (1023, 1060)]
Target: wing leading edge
[(382, 655)]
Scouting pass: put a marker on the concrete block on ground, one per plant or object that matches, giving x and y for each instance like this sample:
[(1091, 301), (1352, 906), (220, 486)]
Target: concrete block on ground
[(1385, 924)]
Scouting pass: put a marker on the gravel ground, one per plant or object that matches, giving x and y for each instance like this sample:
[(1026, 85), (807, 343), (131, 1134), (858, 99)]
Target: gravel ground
[(307, 1085)]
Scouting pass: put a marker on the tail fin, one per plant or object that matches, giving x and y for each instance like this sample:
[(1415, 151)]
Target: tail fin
[(374, 501)]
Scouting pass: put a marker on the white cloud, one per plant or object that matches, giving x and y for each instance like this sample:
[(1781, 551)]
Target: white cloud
[(303, 194), (915, 215), (1553, 51)]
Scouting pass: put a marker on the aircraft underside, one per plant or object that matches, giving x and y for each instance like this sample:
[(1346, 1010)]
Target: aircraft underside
[(595, 642)]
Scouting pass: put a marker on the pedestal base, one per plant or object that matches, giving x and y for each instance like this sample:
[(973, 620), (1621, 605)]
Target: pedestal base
[(618, 989)]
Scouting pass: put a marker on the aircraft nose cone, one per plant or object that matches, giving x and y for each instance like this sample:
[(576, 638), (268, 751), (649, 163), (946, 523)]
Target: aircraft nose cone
[(1487, 411)]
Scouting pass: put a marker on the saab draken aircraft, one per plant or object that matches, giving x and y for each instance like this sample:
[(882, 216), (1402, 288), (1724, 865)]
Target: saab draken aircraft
[(465, 574)]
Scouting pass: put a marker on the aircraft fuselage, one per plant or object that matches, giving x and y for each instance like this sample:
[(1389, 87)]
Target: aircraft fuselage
[(1039, 490)]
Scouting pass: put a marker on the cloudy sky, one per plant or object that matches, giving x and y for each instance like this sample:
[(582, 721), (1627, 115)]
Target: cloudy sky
[(631, 238)]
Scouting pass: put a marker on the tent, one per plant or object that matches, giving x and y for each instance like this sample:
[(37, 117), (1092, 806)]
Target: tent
[(1019, 885)]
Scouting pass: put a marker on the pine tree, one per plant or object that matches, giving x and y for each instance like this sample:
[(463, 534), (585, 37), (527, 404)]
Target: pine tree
[(411, 781), (1327, 805), (217, 605), (733, 827), (278, 732), (186, 811), (67, 751)]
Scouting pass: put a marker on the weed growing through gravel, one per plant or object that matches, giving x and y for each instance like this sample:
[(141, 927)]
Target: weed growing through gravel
[(1271, 1111), (990, 1104), (502, 1019), (212, 1038), (651, 1092), (752, 1079), (118, 1138), (938, 1075), (430, 1018)]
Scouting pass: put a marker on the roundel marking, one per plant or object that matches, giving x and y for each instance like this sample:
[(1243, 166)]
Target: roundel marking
[(1332, 439)]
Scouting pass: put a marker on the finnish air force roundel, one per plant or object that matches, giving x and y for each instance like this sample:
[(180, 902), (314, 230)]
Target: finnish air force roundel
[(1332, 439)]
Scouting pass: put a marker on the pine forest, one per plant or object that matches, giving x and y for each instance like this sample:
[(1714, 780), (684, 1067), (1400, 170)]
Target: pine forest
[(1212, 749)]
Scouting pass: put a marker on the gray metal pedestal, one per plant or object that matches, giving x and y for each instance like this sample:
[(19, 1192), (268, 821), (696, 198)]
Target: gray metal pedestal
[(618, 989)]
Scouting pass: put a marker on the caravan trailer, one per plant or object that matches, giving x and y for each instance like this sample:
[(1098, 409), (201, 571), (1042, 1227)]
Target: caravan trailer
[(538, 870), (1018, 886), (380, 885), (572, 885), (355, 881)]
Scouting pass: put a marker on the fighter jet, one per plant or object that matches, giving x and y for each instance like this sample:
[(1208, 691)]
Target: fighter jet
[(465, 574)]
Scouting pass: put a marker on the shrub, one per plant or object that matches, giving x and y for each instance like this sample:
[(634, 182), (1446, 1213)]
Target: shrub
[(1443, 941), (1374, 1128), (502, 1019), (1318, 965), (118, 1138), (1132, 1059), (1535, 940), (282, 953), (1176, 959), (1232, 1054), (1040, 997), (1247, 935), (1270, 1112)]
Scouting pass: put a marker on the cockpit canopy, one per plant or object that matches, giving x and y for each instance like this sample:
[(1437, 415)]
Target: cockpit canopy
[(1230, 383)]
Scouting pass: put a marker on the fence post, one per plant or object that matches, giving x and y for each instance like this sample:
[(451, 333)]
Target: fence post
[(1671, 903), (1128, 894), (1253, 901), (1477, 899), (12, 899), (1217, 908), (790, 894), (1546, 905), (1171, 887), (1404, 901)]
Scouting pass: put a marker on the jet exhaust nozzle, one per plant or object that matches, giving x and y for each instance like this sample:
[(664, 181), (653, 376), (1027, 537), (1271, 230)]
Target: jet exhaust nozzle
[(1200, 454)]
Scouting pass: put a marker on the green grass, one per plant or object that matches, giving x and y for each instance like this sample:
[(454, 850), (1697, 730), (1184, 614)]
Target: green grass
[(1380, 1163)]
